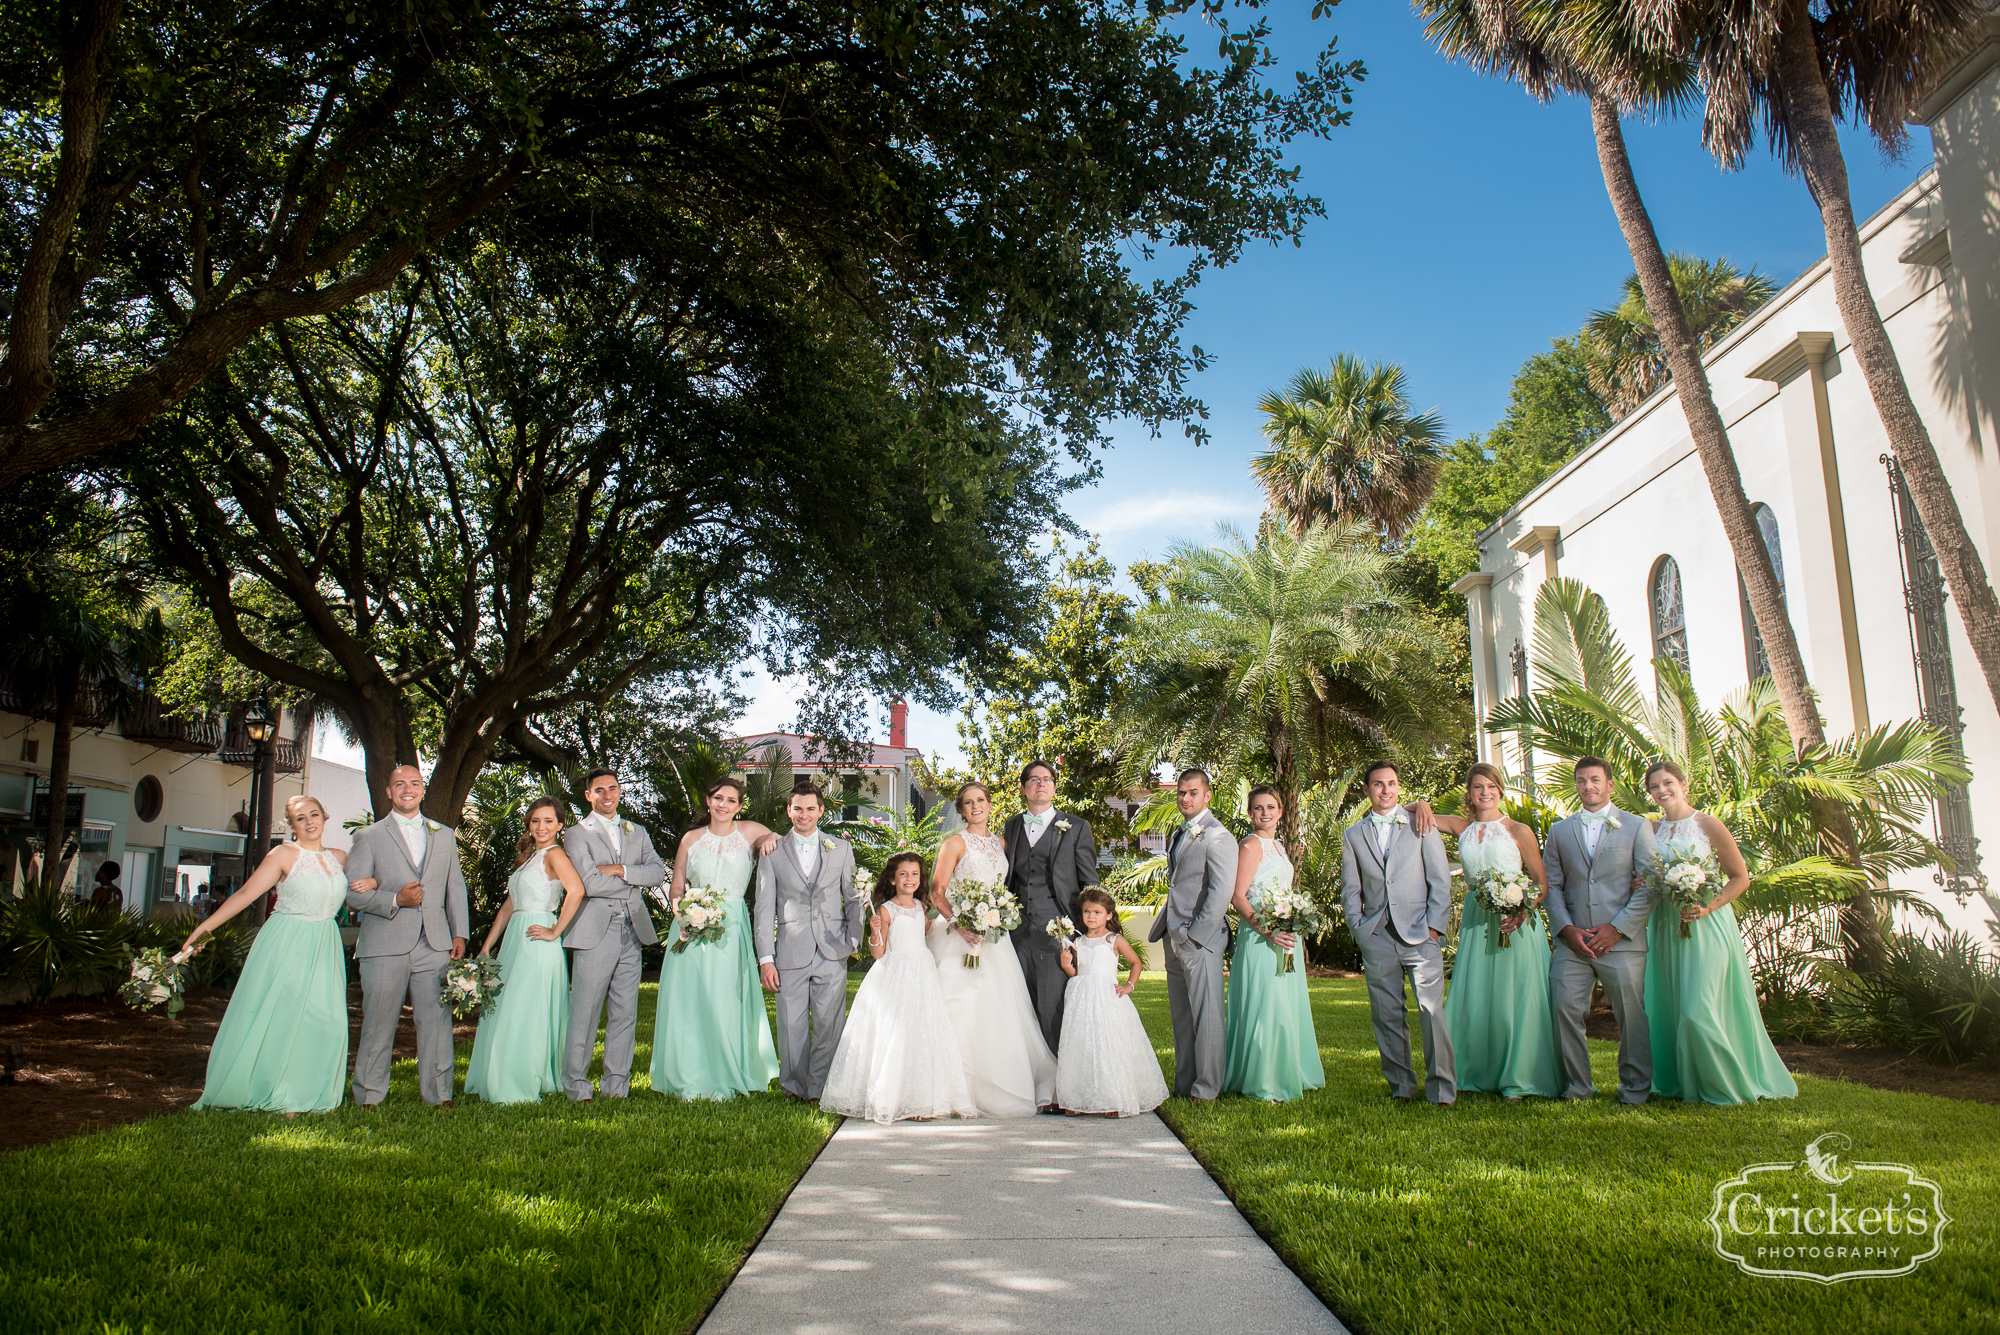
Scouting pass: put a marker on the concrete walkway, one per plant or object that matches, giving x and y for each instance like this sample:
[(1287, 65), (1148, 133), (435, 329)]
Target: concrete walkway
[(1044, 1225)]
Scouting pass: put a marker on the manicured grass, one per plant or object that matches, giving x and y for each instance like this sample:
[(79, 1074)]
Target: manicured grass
[(1562, 1217), (624, 1215)]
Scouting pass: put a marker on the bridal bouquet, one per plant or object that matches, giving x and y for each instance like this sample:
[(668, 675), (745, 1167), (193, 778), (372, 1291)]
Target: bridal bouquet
[(1283, 909), (156, 977), (1687, 877), (703, 914), (470, 986), (984, 907), (1504, 894)]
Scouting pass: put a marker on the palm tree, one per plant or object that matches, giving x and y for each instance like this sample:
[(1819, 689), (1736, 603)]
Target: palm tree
[(1798, 66), (1345, 446), (1626, 361), (1741, 767), (1289, 652)]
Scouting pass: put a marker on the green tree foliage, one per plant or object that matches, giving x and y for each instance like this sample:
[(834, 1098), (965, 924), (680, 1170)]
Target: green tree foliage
[(179, 179), (1345, 446), (1627, 363), (1055, 697)]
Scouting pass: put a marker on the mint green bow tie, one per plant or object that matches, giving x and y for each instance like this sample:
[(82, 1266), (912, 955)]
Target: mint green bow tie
[(1393, 818), (1599, 816), (410, 822)]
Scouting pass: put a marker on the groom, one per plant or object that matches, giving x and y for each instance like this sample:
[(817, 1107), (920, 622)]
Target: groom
[(412, 924), (617, 864), (1051, 855), (808, 919), (1201, 876), (1396, 888), (1598, 903)]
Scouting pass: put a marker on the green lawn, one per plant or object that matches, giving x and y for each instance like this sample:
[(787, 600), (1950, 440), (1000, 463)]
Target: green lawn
[(1588, 1218), (616, 1215)]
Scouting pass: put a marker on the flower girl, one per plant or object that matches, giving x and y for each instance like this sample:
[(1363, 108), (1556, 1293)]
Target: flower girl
[(898, 1056), (1106, 1063)]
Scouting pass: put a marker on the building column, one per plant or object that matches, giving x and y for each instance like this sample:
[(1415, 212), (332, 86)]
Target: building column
[(1833, 646), (1477, 589)]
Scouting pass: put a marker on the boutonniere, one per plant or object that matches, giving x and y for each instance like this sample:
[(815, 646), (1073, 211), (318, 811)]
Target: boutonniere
[(826, 844), (1063, 825), (1193, 832), (432, 825), (625, 827)]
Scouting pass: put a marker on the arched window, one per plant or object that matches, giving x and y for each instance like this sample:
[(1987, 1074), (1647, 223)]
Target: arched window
[(1753, 639), (1670, 637)]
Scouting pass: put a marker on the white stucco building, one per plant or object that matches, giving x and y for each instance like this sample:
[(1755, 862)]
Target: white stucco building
[(1631, 516)]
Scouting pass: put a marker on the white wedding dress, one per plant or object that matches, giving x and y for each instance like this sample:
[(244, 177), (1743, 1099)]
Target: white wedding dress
[(1008, 1065), (898, 1056)]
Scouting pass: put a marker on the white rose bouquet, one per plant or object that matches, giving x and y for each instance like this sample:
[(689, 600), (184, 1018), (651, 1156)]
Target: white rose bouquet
[(1284, 909), (984, 907), (1687, 878), (470, 986), (157, 977), (1061, 928), (702, 914), (1504, 894)]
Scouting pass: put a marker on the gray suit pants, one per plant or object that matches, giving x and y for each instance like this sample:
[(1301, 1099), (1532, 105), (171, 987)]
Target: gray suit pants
[(1194, 998), (1623, 973), (609, 968), (1386, 959), (385, 981), (817, 995)]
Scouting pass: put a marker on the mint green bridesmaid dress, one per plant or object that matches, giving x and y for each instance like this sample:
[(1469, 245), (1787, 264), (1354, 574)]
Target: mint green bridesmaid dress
[(1709, 1042), (517, 1053), (282, 1046), (1273, 1052), (1497, 1005), (711, 1035)]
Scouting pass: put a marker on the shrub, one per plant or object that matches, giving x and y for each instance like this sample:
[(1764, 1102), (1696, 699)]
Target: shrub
[(49, 938), (1941, 1000)]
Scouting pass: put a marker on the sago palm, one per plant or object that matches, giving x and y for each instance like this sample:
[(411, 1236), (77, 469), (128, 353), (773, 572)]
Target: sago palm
[(1287, 658), (1345, 446), (1627, 362)]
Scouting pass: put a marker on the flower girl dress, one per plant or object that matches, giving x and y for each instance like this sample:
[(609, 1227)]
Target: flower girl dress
[(898, 1056), (518, 1052), (1105, 1063)]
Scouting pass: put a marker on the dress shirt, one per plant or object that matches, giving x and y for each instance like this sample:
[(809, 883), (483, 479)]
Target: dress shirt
[(1033, 825), (415, 837)]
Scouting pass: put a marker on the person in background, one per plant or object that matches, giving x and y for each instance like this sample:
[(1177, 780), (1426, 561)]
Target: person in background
[(109, 894)]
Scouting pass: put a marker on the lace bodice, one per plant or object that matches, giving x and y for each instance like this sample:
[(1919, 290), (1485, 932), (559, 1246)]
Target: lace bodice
[(1096, 957), (1274, 871), (906, 927), (1485, 846), (314, 888), (720, 861), (985, 858), (532, 888), (1683, 836)]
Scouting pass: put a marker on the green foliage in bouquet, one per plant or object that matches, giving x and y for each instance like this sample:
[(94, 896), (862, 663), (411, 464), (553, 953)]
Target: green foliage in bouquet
[(156, 978)]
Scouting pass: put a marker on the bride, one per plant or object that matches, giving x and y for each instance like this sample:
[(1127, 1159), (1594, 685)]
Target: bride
[(1008, 1064)]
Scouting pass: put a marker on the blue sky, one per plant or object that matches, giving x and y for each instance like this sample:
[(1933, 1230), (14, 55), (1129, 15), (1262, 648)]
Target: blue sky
[(1466, 226)]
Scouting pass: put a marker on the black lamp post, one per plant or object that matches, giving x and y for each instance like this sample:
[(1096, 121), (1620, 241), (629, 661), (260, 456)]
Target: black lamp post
[(257, 727)]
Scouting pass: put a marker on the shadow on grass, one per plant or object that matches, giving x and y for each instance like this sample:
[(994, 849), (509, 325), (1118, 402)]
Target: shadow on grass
[(1572, 1217), (621, 1214)]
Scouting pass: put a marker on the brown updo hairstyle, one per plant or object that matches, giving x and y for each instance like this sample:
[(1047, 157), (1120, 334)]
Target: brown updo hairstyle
[(1659, 765), (726, 781), (1093, 895), (885, 884), (292, 803), (526, 847), (1264, 790), (1482, 770), (958, 802)]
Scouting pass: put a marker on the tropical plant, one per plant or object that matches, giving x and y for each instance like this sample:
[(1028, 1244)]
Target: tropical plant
[(1793, 69), (874, 840), (1346, 448), (1627, 362), (1289, 656), (1741, 767), (50, 938), (1941, 999)]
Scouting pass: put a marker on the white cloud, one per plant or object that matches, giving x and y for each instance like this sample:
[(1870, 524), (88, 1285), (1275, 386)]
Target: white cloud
[(1171, 514)]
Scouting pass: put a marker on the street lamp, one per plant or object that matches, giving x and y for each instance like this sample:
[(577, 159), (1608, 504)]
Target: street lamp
[(257, 727)]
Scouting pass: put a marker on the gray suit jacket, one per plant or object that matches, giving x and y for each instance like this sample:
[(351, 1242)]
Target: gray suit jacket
[(798, 921), (1411, 885), (589, 850), (379, 853), (1202, 881), (1586, 892)]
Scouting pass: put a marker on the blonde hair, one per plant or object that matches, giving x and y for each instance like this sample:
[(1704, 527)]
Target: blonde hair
[(292, 802)]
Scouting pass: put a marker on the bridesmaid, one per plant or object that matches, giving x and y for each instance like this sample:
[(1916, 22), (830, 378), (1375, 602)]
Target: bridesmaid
[(1709, 1044), (719, 1043), (282, 1046), (1498, 1001), (1273, 1052), (517, 1053)]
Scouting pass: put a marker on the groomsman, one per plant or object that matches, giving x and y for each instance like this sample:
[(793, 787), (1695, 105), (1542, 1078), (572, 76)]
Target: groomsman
[(1201, 877), (808, 918), (616, 861), (1051, 855), (1598, 903), (413, 923), (1396, 888)]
